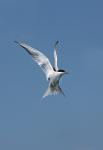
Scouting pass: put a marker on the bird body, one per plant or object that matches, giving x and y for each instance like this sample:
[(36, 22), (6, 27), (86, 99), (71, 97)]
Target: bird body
[(53, 75)]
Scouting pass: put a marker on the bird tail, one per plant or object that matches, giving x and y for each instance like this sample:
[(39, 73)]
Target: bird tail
[(53, 91)]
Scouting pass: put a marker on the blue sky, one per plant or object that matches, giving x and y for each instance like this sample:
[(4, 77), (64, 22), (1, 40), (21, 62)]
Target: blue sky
[(57, 123)]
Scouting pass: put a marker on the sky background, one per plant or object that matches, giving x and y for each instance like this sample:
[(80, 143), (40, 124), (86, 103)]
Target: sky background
[(74, 122)]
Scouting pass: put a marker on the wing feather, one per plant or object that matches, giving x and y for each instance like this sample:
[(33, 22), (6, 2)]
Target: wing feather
[(55, 56), (39, 57)]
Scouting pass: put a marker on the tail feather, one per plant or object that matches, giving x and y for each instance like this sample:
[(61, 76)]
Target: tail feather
[(53, 91)]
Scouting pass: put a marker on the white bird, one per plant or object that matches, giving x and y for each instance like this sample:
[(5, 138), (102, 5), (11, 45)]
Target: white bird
[(53, 74)]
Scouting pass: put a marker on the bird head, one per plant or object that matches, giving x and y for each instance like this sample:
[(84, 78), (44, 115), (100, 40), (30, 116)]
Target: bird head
[(63, 71)]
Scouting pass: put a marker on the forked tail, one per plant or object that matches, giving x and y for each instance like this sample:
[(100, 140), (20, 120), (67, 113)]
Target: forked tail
[(53, 91)]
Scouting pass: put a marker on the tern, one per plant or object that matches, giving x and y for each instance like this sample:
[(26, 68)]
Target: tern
[(53, 74)]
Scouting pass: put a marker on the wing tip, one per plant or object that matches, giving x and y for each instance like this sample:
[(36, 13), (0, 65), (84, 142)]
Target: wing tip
[(16, 42), (56, 43)]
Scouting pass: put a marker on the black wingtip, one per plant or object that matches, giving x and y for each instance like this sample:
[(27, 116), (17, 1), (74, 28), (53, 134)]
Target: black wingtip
[(56, 43), (16, 42)]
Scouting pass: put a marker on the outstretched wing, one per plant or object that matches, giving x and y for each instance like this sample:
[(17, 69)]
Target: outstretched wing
[(39, 57), (55, 56)]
